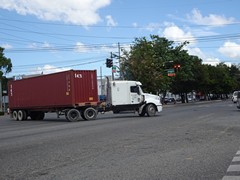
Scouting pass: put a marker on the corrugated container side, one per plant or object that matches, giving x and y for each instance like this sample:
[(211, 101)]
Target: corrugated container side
[(85, 86), (64, 89)]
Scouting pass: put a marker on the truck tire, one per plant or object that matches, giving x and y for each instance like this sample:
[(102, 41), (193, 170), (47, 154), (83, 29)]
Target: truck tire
[(15, 115), (73, 115), (22, 115), (89, 114), (150, 110)]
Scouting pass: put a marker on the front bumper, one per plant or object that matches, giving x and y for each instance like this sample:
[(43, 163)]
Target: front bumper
[(159, 108)]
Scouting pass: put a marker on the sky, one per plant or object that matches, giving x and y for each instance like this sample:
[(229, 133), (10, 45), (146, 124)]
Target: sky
[(45, 36)]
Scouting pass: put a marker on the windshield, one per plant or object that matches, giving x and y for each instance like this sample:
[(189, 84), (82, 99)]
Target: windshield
[(235, 93)]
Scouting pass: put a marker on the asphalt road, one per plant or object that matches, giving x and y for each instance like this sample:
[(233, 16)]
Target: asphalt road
[(193, 141)]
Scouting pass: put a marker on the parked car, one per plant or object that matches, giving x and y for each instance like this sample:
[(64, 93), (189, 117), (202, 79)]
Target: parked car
[(238, 100), (234, 96), (169, 100)]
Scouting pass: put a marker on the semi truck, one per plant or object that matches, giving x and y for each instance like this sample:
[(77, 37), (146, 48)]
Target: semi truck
[(74, 94)]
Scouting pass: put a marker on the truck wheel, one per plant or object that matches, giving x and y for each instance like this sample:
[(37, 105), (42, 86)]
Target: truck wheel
[(151, 110), (22, 115), (73, 115), (15, 115), (89, 114)]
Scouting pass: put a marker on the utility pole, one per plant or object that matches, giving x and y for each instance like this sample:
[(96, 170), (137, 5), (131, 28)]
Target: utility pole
[(1, 109), (119, 60), (101, 80), (112, 70)]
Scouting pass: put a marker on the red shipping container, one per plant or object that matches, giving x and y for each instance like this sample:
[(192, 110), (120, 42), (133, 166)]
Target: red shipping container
[(59, 90)]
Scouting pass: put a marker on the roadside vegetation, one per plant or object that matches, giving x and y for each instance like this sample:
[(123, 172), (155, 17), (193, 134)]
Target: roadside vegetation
[(165, 66)]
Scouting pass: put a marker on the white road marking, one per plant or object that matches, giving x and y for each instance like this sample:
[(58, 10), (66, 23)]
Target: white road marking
[(233, 169), (236, 159), (231, 178)]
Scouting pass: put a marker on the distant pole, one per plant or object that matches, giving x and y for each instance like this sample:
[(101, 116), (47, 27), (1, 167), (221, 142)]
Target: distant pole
[(101, 80), (112, 69), (119, 60), (1, 110)]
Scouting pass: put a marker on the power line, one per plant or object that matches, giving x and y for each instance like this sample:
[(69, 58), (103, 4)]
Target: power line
[(57, 62), (96, 47), (106, 26), (67, 35), (58, 67)]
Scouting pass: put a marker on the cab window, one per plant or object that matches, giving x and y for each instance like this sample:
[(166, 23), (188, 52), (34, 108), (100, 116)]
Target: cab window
[(134, 89)]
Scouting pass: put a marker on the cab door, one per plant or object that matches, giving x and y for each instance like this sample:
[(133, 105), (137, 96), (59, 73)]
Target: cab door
[(135, 95)]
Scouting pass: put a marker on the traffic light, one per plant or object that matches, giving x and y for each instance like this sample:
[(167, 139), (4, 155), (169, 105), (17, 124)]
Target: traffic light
[(176, 67), (109, 63)]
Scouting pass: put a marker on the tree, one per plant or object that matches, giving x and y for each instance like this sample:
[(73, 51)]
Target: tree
[(5, 63), (150, 60), (235, 74), (221, 81), (147, 62), (188, 75), (6, 67)]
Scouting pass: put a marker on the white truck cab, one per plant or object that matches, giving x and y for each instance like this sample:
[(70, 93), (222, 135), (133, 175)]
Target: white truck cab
[(128, 96)]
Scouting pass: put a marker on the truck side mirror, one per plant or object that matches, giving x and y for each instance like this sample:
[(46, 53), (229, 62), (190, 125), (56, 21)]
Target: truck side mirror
[(137, 90)]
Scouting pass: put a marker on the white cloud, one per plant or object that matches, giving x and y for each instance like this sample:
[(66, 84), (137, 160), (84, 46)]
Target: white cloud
[(230, 50), (6, 46), (173, 32), (82, 12), (212, 61), (110, 21), (47, 69), (152, 26), (108, 49), (196, 52), (135, 24), (213, 19), (46, 45), (43, 46), (81, 48), (207, 59)]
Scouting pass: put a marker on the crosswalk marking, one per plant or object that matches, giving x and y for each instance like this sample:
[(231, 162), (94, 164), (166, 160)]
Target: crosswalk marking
[(233, 168), (233, 171), (236, 159), (231, 178)]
